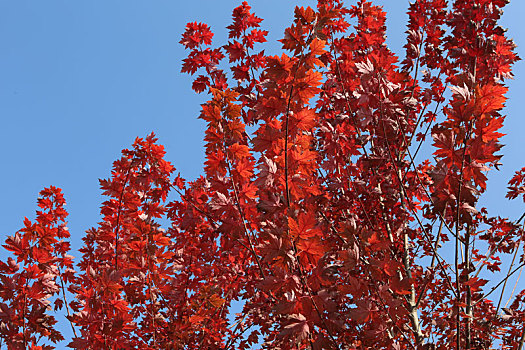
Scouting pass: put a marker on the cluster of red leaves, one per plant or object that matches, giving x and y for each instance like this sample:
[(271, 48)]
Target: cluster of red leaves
[(321, 221), (30, 294)]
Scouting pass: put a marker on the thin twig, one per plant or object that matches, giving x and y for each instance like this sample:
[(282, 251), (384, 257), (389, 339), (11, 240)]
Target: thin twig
[(117, 227), (243, 219), (514, 289), (500, 283), (66, 303), (468, 309), (522, 340), (510, 268)]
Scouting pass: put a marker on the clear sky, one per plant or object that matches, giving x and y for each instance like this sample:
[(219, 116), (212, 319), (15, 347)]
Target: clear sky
[(79, 80)]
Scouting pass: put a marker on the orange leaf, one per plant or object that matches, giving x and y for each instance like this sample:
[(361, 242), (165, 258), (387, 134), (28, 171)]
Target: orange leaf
[(491, 97), (216, 300), (239, 151), (304, 227), (312, 247)]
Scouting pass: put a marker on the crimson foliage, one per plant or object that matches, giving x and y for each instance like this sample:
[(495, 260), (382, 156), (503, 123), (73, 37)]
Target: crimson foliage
[(325, 222)]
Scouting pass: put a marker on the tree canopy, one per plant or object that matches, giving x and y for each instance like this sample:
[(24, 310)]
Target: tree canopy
[(320, 211)]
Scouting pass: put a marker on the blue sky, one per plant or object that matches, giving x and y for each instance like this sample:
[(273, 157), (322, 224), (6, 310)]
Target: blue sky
[(79, 80)]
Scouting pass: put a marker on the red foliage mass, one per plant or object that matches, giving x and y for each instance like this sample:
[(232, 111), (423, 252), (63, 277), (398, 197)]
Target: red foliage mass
[(320, 221)]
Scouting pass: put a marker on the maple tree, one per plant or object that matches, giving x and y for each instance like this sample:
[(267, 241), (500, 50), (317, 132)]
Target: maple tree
[(316, 210)]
